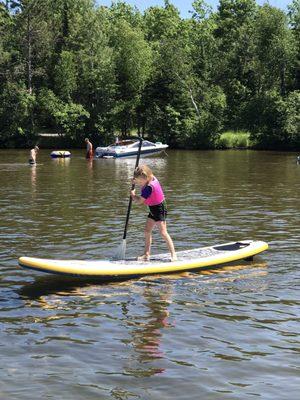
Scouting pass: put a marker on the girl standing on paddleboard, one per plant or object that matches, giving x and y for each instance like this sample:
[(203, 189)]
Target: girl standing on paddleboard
[(152, 195)]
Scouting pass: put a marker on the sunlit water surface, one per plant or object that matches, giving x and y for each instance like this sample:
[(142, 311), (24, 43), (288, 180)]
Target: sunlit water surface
[(227, 333)]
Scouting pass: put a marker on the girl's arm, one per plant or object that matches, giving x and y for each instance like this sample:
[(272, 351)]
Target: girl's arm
[(135, 198)]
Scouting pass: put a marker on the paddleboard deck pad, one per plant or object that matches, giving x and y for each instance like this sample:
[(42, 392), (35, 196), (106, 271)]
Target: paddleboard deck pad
[(188, 260)]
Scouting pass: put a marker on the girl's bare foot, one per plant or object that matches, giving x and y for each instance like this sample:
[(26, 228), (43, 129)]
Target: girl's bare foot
[(144, 257)]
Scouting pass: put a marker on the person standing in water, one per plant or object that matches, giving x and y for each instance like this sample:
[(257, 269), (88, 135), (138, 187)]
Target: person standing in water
[(89, 149), (32, 155), (152, 195)]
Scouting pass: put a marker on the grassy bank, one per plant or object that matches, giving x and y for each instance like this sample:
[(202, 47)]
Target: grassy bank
[(234, 140)]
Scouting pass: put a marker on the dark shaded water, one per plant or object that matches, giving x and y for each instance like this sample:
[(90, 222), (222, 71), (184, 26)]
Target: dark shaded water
[(231, 333)]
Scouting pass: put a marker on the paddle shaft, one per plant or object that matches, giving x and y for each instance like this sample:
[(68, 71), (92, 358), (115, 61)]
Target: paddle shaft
[(132, 187)]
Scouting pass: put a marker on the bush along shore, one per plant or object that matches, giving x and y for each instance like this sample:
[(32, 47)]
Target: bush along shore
[(82, 69), (235, 140)]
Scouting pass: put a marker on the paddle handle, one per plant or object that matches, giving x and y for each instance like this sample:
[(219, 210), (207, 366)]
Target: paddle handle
[(132, 186)]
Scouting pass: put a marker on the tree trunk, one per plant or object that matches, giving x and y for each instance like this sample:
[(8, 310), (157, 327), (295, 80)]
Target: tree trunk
[(29, 56)]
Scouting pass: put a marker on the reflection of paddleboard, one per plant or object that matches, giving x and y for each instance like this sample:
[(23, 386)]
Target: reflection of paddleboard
[(187, 260)]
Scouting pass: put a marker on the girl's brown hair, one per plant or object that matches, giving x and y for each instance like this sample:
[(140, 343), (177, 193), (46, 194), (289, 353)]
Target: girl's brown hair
[(143, 172)]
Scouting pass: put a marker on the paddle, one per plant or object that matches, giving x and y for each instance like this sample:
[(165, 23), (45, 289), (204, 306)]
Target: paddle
[(121, 250)]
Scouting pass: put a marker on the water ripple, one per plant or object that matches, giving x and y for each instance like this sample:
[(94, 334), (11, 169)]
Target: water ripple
[(227, 333)]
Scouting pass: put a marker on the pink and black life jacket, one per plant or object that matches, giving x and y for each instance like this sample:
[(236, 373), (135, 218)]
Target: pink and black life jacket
[(157, 194)]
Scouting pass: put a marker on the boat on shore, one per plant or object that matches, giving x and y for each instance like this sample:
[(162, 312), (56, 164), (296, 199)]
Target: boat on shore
[(129, 148)]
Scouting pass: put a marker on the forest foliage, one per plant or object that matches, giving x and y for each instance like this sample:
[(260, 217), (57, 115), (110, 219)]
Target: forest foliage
[(82, 69)]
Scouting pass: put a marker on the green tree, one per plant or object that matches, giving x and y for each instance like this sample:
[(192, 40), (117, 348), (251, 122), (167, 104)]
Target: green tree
[(274, 50), (72, 119), (166, 96), (67, 117), (291, 126), (16, 110), (96, 89), (233, 54), (160, 22), (294, 21), (122, 11), (133, 60), (65, 75), (6, 23)]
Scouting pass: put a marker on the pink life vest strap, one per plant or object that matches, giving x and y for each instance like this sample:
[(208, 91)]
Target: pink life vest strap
[(157, 194)]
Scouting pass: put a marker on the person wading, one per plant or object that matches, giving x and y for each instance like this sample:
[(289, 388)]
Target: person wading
[(33, 154), (89, 149)]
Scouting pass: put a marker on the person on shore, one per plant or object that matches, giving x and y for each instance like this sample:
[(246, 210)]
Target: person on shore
[(89, 149), (32, 155), (152, 195)]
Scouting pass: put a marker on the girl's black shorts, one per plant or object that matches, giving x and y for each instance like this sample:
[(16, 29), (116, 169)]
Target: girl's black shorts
[(158, 212)]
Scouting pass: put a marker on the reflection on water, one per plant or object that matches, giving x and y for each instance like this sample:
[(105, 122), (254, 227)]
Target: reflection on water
[(146, 335), (61, 161), (53, 284), (90, 164), (227, 333), (124, 167), (45, 285), (33, 179)]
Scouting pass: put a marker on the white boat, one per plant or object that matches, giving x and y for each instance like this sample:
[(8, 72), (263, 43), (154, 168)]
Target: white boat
[(129, 148)]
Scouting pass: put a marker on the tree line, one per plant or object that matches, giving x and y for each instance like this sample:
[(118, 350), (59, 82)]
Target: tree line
[(82, 69)]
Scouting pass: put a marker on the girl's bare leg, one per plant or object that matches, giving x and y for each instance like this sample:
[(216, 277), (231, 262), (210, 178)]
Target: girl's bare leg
[(162, 226), (148, 239)]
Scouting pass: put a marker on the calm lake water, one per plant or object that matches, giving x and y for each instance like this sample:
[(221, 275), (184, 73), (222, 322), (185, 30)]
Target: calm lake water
[(228, 333)]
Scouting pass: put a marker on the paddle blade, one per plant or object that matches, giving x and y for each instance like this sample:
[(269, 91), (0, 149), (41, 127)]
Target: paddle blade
[(121, 251)]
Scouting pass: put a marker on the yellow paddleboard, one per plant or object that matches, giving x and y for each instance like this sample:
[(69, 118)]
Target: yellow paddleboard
[(187, 260)]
